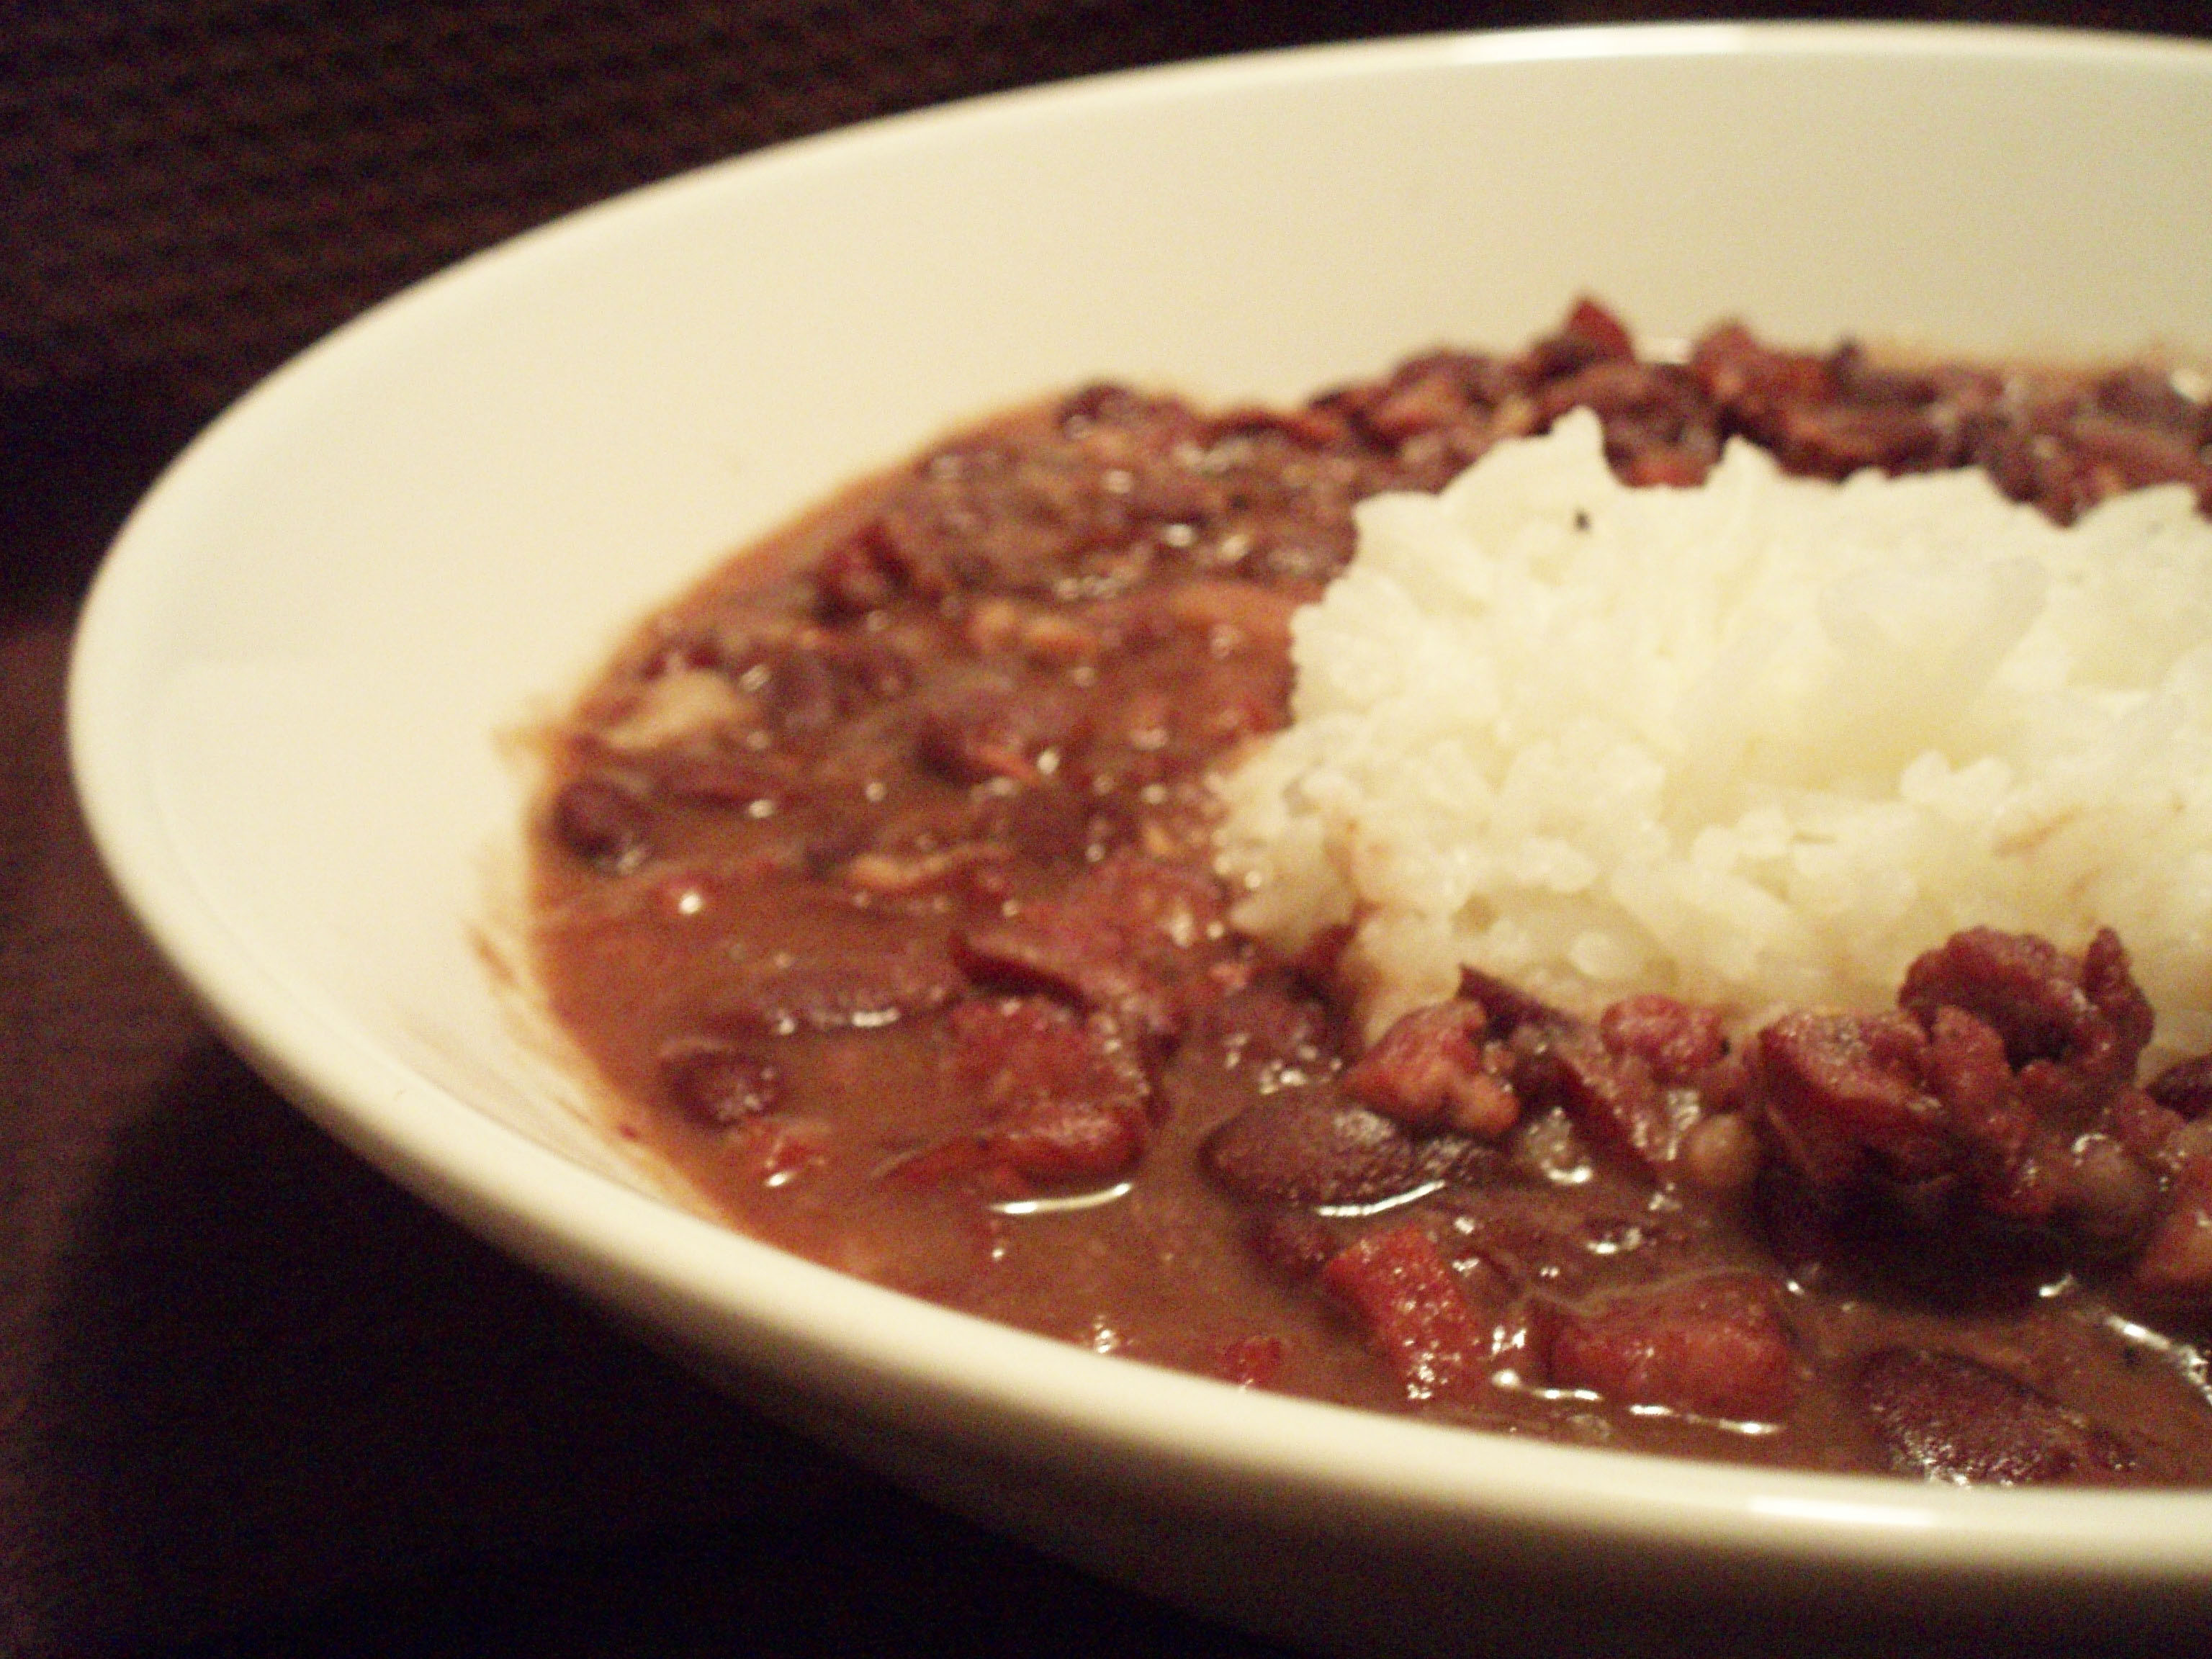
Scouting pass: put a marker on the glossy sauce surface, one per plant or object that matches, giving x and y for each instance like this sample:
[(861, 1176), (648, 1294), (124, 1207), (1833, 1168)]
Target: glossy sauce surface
[(875, 878)]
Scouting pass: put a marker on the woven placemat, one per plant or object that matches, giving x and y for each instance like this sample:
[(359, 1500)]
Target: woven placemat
[(197, 190)]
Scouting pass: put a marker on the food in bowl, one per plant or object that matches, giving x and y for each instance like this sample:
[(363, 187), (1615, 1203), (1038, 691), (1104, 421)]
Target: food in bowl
[(885, 880)]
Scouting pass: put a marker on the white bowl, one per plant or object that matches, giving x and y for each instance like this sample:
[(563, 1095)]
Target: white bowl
[(296, 666)]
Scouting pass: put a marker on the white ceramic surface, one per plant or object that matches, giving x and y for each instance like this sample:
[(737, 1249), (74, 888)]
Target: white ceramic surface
[(296, 666)]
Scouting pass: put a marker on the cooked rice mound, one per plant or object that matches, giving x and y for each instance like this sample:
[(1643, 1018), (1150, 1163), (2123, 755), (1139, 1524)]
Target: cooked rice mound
[(1758, 742)]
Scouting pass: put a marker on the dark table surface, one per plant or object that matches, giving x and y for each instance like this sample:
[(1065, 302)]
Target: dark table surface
[(254, 1399)]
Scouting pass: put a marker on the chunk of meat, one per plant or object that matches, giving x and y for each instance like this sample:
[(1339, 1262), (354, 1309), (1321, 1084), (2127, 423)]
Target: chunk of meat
[(1415, 1312), (2126, 455), (1063, 1099), (1948, 1417), (2010, 1068), (2083, 1014), (1835, 1087), (2143, 396), (1679, 1041), (1964, 1067), (1132, 937), (1066, 1142), (1714, 1347), (1612, 1098), (1431, 1070)]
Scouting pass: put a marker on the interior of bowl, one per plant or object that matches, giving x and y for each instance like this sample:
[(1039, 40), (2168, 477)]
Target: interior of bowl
[(300, 674)]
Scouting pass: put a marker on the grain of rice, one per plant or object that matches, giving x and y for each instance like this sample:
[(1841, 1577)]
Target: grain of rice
[(1759, 741)]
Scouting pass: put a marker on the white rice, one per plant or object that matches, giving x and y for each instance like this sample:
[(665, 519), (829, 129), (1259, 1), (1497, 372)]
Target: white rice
[(1757, 743)]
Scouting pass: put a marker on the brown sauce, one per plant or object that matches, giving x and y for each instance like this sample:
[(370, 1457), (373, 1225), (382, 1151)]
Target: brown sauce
[(874, 878)]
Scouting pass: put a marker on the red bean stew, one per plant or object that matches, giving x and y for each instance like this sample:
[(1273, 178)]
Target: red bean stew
[(875, 877)]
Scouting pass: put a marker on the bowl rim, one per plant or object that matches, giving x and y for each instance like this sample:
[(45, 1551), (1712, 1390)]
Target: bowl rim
[(909, 1361)]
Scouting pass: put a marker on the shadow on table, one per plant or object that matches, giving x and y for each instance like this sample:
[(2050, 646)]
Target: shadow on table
[(278, 1382)]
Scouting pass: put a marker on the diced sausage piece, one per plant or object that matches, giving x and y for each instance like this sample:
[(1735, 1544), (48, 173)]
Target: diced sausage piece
[(1125, 939), (1075, 958), (2087, 1014), (1966, 1069), (1612, 1098), (1063, 1098), (1835, 1086), (1014, 1053), (1679, 1041), (1588, 320), (1430, 1071), (1713, 1347), (1065, 1143), (1423, 404), (1660, 427), (1424, 395), (1311, 1145), (718, 1084), (2014, 983), (1947, 1417), (1997, 445), (601, 823), (1416, 1314), (2126, 1015)]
